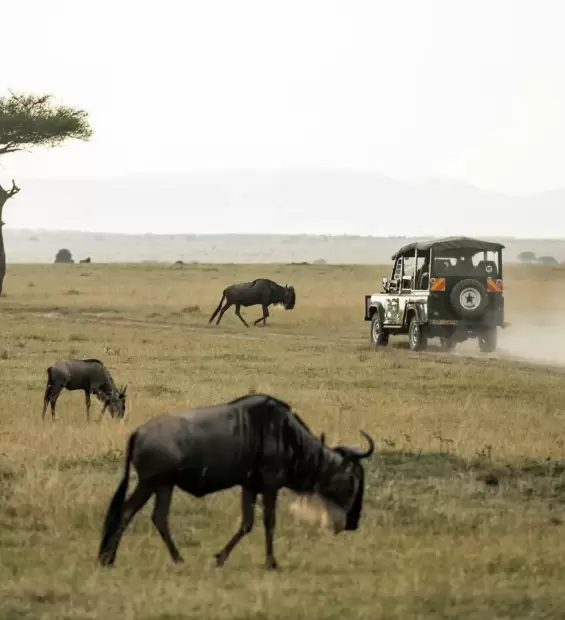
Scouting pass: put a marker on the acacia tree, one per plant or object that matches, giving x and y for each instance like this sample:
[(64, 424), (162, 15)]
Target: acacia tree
[(527, 256), (28, 121)]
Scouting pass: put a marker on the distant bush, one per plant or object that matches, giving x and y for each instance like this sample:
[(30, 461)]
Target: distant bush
[(547, 260), (527, 256), (319, 261), (64, 256)]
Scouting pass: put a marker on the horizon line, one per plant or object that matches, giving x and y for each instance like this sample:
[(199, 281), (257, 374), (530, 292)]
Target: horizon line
[(273, 234)]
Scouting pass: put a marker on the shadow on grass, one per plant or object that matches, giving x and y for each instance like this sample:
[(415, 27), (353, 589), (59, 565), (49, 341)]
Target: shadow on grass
[(541, 477), (417, 465)]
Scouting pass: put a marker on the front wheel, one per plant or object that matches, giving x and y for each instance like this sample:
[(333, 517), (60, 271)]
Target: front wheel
[(488, 340), (417, 337), (379, 337)]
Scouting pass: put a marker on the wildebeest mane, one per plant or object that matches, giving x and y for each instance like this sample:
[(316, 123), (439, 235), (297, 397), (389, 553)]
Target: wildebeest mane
[(278, 401), (265, 397)]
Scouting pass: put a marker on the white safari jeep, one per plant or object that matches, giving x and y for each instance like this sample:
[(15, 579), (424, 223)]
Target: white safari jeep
[(449, 289)]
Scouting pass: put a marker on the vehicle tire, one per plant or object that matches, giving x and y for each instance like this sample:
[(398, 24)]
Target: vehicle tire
[(379, 336), (488, 340), (469, 299), (447, 344), (417, 336)]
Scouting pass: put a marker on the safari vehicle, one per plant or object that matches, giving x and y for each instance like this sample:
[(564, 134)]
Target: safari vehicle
[(448, 288)]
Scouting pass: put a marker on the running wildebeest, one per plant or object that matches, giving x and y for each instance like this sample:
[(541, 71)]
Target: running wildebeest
[(89, 375), (259, 292), (256, 442)]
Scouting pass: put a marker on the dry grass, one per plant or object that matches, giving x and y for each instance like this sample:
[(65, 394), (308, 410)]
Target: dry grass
[(465, 500)]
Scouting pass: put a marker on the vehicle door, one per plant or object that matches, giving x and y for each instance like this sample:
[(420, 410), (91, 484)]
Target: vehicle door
[(407, 285), (392, 304)]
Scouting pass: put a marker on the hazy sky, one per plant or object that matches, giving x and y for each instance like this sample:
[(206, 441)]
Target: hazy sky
[(464, 89)]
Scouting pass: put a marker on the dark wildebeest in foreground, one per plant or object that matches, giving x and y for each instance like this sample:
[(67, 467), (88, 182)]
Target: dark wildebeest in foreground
[(259, 292), (256, 442), (89, 375)]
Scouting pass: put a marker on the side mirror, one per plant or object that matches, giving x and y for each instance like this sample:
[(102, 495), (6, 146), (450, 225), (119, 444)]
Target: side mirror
[(385, 283)]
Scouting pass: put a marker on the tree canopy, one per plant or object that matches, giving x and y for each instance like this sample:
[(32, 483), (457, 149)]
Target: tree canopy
[(29, 120), (527, 256)]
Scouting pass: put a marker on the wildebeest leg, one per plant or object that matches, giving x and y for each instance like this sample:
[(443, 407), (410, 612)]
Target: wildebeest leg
[(264, 317), (218, 308), (87, 403), (238, 313), (133, 504), (248, 499), (55, 393), (46, 399), (222, 312), (269, 521), (160, 518)]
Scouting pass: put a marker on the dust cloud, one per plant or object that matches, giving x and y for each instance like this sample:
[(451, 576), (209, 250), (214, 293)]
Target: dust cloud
[(526, 340), (541, 341)]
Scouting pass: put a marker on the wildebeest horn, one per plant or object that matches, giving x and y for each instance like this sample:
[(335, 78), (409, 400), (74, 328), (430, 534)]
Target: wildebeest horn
[(323, 438), (124, 388), (359, 454)]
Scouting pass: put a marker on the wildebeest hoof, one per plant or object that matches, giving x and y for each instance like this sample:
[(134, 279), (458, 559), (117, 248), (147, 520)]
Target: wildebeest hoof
[(178, 560), (106, 559), (220, 559), (271, 564)]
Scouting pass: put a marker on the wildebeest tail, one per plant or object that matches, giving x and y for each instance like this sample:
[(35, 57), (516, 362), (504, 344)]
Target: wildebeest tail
[(47, 392), (219, 306), (114, 514)]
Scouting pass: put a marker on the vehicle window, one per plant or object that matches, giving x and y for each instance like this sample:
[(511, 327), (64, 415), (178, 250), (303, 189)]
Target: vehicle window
[(486, 262), (422, 267), (408, 276), (459, 263), (409, 263)]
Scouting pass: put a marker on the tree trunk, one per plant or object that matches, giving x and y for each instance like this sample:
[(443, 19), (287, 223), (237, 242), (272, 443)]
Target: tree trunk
[(3, 200), (4, 197)]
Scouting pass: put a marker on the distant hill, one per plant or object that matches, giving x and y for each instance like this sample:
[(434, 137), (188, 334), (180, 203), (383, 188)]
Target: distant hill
[(39, 246), (350, 206)]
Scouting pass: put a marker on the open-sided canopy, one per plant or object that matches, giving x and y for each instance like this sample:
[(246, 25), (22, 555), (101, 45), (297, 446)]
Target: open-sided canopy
[(448, 243)]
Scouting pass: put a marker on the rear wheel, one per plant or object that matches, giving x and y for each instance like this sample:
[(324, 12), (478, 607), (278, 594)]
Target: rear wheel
[(488, 340), (417, 336), (379, 336)]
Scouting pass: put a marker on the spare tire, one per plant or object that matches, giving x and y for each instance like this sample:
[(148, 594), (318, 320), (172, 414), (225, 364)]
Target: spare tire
[(469, 299)]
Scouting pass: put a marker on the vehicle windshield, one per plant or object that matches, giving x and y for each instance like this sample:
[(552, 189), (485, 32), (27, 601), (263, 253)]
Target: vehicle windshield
[(465, 263)]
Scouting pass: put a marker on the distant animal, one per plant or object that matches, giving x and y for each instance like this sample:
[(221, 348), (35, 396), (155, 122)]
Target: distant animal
[(85, 260), (261, 291), (256, 442), (89, 375)]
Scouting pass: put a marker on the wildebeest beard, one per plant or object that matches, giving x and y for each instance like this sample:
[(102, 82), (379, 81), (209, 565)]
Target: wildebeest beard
[(345, 490), (335, 474)]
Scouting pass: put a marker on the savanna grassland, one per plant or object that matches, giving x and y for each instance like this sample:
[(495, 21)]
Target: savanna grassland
[(465, 502)]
